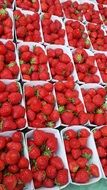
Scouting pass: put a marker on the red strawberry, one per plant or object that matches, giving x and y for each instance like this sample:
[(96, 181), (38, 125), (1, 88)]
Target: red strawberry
[(76, 153), (12, 157), (48, 183), (39, 137), (57, 162), (62, 177), (25, 176), (15, 98), (67, 117), (18, 111), (97, 134), (81, 176), (17, 136), (42, 162), (67, 146), (94, 170), (51, 172), (34, 152), (39, 175), (23, 163), (103, 131), (12, 87), (70, 134), (87, 153), (101, 152), (73, 166), (82, 162), (83, 142), (10, 182), (84, 133), (74, 143)]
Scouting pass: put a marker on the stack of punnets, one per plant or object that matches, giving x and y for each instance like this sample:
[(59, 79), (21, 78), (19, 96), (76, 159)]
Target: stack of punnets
[(53, 94)]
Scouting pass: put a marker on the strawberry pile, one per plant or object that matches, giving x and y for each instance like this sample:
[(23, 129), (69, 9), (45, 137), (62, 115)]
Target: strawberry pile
[(6, 4), (79, 155), (100, 136), (47, 166), (91, 14), (8, 66), (6, 24), (85, 66), (51, 6), (72, 10), (97, 37), (53, 31), (96, 106), (14, 166), (11, 110), (40, 106), (27, 26), (28, 5), (33, 63), (77, 37), (103, 11), (60, 63), (101, 60), (70, 106)]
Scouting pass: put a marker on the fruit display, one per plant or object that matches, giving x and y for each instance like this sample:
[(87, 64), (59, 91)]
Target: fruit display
[(53, 30), (6, 24), (52, 6), (70, 103), (60, 63), (49, 167), (41, 107), (86, 67), (100, 136), (53, 94), (27, 26), (12, 111), (81, 154), (33, 62), (14, 166), (95, 103), (9, 68), (76, 34)]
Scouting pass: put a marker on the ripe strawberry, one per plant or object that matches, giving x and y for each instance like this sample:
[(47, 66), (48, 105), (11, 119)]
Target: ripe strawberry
[(76, 153), (87, 153), (12, 145), (12, 87), (62, 177), (99, 119), (103, 131), (97, 134), (34, 152), (67, 117), (39, 137), (67, 146), (23, 163), (51, 146), (25, 176), (82, 162), (57, 162), (74, 143), (12, 157), (42, 162), (94, 170), (10, 182), (39, 175), (51, 172), (48, 183), (2, 142), (73, 166), (81, 176), (101, 152), (69, 134), (83, 142), (15, 98), (18, 111), (84, 133), (17, 136)]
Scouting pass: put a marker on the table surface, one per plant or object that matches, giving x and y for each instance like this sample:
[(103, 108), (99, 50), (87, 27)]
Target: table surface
[(100, 185)]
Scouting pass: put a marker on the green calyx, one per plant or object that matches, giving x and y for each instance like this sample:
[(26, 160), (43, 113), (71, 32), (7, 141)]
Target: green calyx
[(87, 156), (71, 100), (21, 62), (11, 64), (104, 106), (16, 17), (61, 109), (47, 152), (79, 58), (99, 111), (2, 12), (50, 124), (87, 42), (32, 61)]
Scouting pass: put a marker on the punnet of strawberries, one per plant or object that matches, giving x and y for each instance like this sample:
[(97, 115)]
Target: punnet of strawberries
[(100, 136), (6, 24), (41, 107), (14, 165), (33, 62), (9, 68), (76, 34), (79, 155), (47, 166), (27, 26), (96, 104), (12, 112)]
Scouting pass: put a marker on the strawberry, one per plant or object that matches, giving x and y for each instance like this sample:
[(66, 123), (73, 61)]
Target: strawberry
[(82, 162), (12, 87), (76, 153), (62, 177), (83, 142), (67, 117), (25, 176), (12, 157), (102, 152), (15, 98), (34, 152), (97, 134), (67, 146), (74, 143), (81, 176), (87, 153), (39, 137), (84, 133), (48, 183), (73, 166), (57, 162), (103, 131), (39, 175), (69, 134), (94, 170), (23, 163), (42, 162), (18, 111), (51, 172), (10, 182)]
